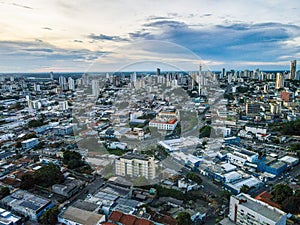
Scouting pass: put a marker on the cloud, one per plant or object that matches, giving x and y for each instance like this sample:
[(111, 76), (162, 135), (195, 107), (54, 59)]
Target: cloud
[(104, 37), (78, 41), (226, 42), (47, 28), (21, 6), (20, 56), (166, 23)]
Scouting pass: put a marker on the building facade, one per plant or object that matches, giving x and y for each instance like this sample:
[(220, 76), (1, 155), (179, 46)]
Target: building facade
[(246, 210), (134, 165)]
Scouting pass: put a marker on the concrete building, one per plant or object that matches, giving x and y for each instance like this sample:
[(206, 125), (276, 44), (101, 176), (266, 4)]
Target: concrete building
[(252, 108), (246, 210), (163, 124), (71, 84), (68, 189), (292, 74), (7, 218), (63, 105), (76, 216), (279, 81), (27, 204), (30, 143), (271, 165), (135, 165)]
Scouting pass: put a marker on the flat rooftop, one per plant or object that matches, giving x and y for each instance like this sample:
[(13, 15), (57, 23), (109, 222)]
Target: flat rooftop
[(81, 216), (260, 207)]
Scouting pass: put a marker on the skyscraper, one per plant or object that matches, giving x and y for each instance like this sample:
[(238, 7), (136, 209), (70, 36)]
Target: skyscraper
[(133, 77), (71, 84), (95, 88), (279, 81), (157, 71), (292, 75)]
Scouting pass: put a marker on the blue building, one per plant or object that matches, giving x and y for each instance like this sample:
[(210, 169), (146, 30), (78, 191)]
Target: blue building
[(271, 165)]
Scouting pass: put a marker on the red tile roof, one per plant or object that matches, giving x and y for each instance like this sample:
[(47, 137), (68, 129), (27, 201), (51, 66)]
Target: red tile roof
[(125, 219), (128, 219), (115, 216), (143, 222)]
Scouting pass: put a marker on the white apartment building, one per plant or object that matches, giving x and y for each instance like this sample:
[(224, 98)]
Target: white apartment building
[(246, 210), (135, 165)]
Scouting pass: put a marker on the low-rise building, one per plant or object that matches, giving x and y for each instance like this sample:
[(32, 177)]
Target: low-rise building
[(8, 218), (271, 165), (76, 216), (164, 124), (68, 189), (30, 143), (27, 204)]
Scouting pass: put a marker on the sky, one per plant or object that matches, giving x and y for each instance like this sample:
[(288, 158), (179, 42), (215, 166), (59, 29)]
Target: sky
[(101, 35)]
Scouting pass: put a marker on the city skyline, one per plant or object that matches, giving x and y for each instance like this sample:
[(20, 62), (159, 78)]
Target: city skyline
[(64, 36)]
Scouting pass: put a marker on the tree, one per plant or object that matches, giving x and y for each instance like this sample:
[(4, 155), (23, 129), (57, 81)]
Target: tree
[(194, 177), (245, 189), (50, 216), (48, 175), (205, 131), (291, 205), (4, 191), (184, 218), (73, 159), (35, 123), (27, 181), (281, 192)]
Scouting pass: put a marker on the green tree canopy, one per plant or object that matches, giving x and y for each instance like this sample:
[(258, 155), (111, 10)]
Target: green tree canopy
[(291, 205), (48, 175), (50, 216), (205, 131), (184, 218), (194, 177), (27, 181), (281, 192), (73, 159), (4, 191)]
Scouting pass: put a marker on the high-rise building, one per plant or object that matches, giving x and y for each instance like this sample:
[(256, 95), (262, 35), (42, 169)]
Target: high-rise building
[(36, 87), (95, 88), (135, 165), (275, 108), (252, 108), (223, 72), (133, 77), (71, 84), (157, 71), (51, 75), (292, 74), (279, 81), (62, 81), (63, 105), (244, 210)]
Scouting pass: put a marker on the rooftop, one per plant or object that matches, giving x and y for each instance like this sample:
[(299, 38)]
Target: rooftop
[(81, 216), (260, 207)]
